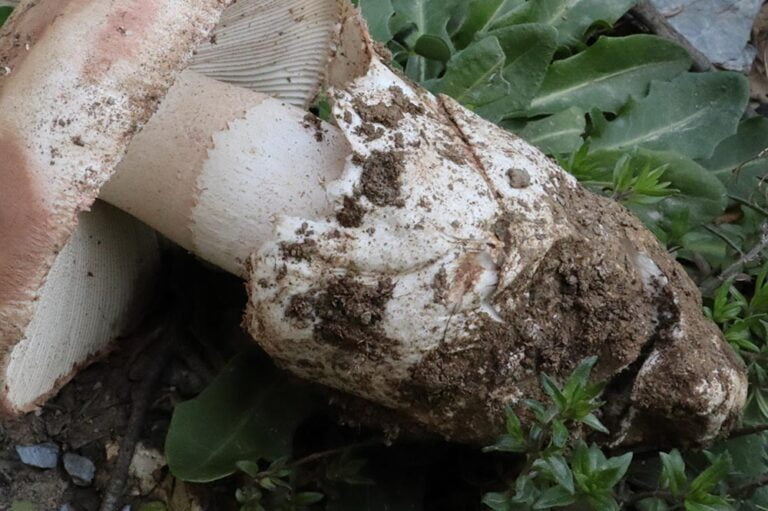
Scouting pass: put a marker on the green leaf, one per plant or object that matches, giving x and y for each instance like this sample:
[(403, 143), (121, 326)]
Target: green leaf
[(481, 16), (473, 76), (432, 47), (553, 391), (5, 11), (715, 473), (557, 134), (557, 468), (571, 18), (528, 50), (557, 496), (653, 504), (499, 74), (690, 115), (594, 423), (748, 143), (608, 73), (702, 196), (378, 13), (427, 17), (248, 412), (497, 501)]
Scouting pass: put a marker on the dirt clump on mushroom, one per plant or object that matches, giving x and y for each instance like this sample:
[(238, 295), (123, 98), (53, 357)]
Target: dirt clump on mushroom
[(345, 313), (380, 181)]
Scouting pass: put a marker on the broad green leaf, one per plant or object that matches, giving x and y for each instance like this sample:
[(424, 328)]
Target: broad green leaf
[(557, 134), (608, 73), (248, 412), (690, 115), (497, 501), (673, 472), (702, 196), (5, 11), (741, 161), (378, 13), (427, 17), (748, 143), (500, 73), (432, 47), (528, 50), (481, 16), (571, 18), (473, 76)]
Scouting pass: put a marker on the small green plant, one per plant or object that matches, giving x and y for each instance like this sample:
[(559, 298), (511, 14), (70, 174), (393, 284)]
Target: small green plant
[(560, 468), (270, 488)]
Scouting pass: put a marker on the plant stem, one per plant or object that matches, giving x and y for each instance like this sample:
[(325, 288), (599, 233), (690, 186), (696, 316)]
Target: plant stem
[(755, 252), (330, 452), (748, 430)]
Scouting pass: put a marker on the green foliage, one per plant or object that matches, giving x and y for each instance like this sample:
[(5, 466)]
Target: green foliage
[(270, 488), (674, 118), (608, 73), (560, 469), (5, 11), (557, 134), (250, 411)]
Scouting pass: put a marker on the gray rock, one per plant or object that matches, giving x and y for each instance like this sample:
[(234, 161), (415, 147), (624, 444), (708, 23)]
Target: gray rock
[(39, 455), (720, 29), (81, 469)]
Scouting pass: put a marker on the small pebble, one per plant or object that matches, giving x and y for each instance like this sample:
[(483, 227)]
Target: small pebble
[(519, 178), (81, 469), (40, 455)]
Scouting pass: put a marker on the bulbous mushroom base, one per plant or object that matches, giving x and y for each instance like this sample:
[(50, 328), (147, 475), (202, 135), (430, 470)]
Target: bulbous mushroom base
[(462, 264)]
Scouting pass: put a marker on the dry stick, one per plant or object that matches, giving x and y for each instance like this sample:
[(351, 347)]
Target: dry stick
[(117, 481), (748, 430), (648, 15), (746, 491), (733, 269)]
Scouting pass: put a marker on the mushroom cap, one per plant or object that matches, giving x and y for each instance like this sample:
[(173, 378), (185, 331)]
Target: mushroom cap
[(96, 290), (462, 264), (273, 46), (77, 79)]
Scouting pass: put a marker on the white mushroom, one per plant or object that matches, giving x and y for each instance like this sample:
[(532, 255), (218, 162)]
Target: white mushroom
[(425, 259), (80, 77)]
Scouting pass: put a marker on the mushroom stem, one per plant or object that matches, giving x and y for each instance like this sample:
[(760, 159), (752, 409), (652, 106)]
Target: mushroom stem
[(217, 164)]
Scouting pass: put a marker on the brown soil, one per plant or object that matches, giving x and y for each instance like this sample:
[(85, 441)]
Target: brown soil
[(346, 313), (380, 181)]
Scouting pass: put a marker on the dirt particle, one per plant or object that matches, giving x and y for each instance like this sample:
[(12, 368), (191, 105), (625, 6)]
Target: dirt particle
[(519, 178), (301, 250), (381, 178), (311, 121), (78, 141), (346, 313), (351, 214), (453, 154), (369, 131)]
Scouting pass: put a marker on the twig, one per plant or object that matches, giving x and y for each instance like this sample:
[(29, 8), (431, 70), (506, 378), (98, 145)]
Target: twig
[(648, 15), (745, 491), (141, 398), (748, 430), (330, 452), (754, 253)]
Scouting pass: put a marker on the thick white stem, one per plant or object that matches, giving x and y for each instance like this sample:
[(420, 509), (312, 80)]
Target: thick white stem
[(217, 164)]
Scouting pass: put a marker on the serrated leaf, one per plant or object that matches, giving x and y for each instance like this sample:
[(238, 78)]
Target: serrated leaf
[(528, 50), (608, 73), (378, 13), (690, 115), (500, 73), (432, 47), (481, 16), (557, 134), (571, 18), (248, 412), (748, 143), (473, 76)]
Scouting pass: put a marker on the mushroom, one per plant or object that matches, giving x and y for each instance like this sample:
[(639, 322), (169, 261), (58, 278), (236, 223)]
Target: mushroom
[(77, 79), (425, 259)]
